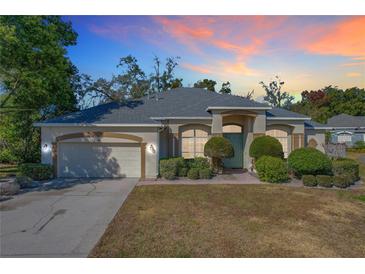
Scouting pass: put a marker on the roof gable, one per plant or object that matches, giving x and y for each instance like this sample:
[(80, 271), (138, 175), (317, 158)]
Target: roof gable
[(346, 121)]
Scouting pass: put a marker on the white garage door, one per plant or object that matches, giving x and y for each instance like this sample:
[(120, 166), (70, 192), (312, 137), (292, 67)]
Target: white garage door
[(99, 160)]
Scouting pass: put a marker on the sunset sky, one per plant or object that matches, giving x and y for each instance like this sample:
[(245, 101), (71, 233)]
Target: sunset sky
[(307, 52)]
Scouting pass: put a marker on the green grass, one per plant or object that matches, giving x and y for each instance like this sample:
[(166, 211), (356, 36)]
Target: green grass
[(356, 156), (360, 198), (7, 170), (236, 221)]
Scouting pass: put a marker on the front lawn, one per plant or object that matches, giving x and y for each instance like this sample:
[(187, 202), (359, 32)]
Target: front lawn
[(236, 221)]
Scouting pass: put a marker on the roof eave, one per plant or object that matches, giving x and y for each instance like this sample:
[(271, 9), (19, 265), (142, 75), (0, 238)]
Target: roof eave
[(289, 118), (181, 118), (39, 124)]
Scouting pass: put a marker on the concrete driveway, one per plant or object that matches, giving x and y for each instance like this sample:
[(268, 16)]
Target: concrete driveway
[(65, 222)]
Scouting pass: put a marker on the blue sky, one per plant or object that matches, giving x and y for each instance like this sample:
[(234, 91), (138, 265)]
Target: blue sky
[(307, 52)]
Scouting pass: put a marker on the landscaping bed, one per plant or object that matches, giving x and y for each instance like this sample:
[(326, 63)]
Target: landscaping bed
[(236, 221)]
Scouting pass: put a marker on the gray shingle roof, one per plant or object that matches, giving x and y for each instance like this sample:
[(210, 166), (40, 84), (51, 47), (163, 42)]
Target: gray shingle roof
[(346, 121), (180, 102), (313, 124), (283, 113)]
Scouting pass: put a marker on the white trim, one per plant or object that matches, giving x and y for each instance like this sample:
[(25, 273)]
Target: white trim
[(236, 108), (181, 118), (344, 132), (289, 118), (336, 128), (309, 127), (93, 125)]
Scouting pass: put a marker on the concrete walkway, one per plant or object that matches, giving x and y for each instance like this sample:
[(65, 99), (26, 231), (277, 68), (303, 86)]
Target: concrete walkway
[(66, 222)]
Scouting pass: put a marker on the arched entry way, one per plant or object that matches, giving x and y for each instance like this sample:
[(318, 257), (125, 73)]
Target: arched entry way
[(234, 133)]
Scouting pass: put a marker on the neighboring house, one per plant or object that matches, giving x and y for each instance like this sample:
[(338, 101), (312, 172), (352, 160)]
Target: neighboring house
[(347, 129), (128, 139)]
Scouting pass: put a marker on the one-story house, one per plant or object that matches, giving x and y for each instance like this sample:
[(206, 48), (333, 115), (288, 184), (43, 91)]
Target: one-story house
[(346, 129), (127, 139)]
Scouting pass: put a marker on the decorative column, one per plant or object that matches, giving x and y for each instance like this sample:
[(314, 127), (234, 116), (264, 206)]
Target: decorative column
[(217, 124)]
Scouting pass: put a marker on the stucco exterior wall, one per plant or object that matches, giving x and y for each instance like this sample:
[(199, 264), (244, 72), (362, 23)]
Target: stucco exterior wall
[(318, 135), (150, 135)]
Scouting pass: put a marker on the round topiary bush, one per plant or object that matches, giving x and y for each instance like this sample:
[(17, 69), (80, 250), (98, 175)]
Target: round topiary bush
[(218, 148), (309, 161), (309, 180), (272, 169), (266, 146), (205, 173), (193, 174), (324, 180)]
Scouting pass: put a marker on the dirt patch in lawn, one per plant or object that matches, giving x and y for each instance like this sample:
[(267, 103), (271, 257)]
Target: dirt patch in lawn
[(236, 221)]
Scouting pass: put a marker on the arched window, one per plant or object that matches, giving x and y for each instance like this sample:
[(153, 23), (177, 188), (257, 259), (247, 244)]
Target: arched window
[(282, 137), (344, 137), (192, 143), (232, 129)]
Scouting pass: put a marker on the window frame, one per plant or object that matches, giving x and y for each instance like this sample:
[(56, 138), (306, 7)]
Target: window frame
[(194, 139)]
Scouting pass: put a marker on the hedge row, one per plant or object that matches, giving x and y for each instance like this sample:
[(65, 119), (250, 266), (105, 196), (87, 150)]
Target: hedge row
[(36, 172), (340, 181), (197, 168)]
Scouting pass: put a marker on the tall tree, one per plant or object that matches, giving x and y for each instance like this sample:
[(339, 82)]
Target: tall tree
[(226, 88), (275, 96), (162, 80), (330, 101), (132, 82), (206, 83), (37, 79)]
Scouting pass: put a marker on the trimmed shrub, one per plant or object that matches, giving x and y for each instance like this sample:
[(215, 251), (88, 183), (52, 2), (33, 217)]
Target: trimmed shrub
[(193, 174), (266, 146), (309, 180), (324, 180), (199, 162), (6, 156), (182, 172), (341, 181), (218, 148), (309, 161), (172, 167), (272, 169), (346, 167), (205, 173), (168, 169), (37, 172)]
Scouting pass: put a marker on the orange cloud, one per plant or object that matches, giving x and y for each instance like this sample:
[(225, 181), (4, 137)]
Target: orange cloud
[(353, 64), (241, 51), (238, 68), (353, 74), (223, 68), (200, 69), (346, 38), (179, 29)]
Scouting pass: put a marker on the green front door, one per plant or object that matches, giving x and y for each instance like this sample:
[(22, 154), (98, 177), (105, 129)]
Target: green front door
[(237, 142)]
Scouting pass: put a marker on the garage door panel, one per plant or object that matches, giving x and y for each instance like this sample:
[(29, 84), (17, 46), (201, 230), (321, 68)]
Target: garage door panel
[(99, 160)]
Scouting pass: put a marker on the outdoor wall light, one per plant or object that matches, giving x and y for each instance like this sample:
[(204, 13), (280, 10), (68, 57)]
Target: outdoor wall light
[(151, 149), (46, 148)]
